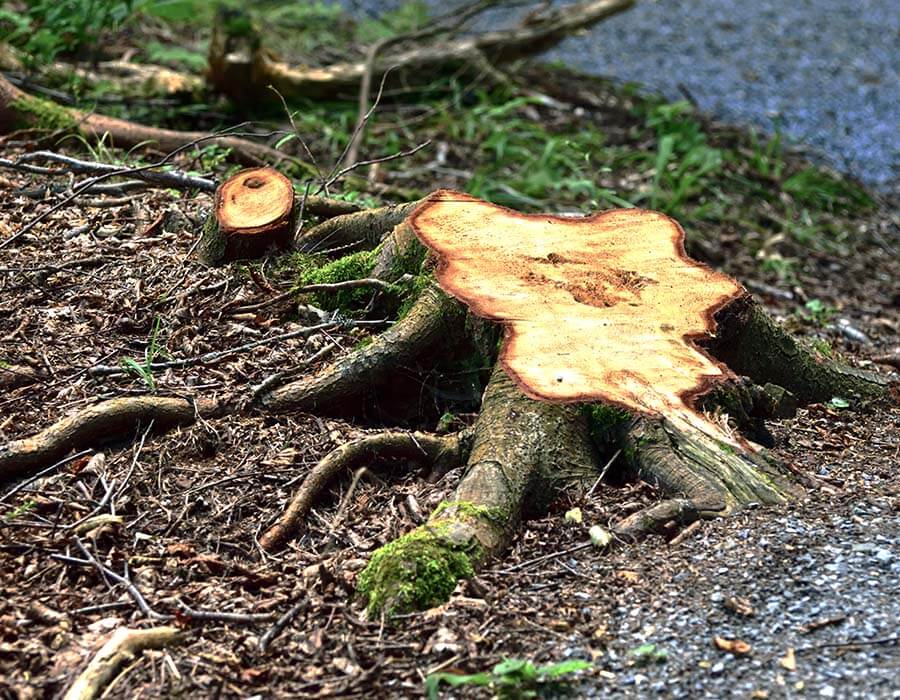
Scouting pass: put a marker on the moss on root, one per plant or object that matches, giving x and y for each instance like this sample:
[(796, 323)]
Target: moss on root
[(605, 421), (350, 267), (35, 113), (467, 509), (418, 570)]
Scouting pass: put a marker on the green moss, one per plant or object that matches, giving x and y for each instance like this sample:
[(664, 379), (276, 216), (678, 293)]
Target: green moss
[(363, 342), (417, 571), (35, 113), (726, 448), (604, 421), (467, 509), (411, 290), (350, 267)]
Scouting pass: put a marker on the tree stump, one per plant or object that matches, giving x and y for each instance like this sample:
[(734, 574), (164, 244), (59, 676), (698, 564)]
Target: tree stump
[(253, 214)]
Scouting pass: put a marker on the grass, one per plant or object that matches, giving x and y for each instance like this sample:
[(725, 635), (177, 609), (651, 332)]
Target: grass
[(510, 679), (154, 350)]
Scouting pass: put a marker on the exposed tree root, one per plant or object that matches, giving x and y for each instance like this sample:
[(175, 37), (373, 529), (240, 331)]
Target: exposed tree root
[(19, 110), (433, 323), (747, 406), (753, 344), (440, 452), (715, 476), (648, 521), (363, 229), (105, 422), (122, 647), (523, 451), (242, 68)]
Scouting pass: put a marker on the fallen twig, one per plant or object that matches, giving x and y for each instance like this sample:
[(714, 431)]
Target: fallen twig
[(266, 640), (215, 616)]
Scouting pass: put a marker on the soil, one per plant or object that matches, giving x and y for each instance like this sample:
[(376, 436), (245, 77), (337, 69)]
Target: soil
[(90, 285)]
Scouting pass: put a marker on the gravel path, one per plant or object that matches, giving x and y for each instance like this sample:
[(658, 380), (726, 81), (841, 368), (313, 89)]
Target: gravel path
[(826, 71), (801, 570)]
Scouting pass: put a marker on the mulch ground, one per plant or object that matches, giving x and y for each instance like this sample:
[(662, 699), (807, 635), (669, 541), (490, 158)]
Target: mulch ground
[(89, 286)]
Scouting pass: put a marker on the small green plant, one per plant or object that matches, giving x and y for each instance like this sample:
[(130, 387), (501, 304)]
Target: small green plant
[(817, 311), (684, 161), (767, 157), (813, 187), (176, 56), (144, 370), (510, 679), (838, 403), (47, 28), (647, 654), (20, 510)]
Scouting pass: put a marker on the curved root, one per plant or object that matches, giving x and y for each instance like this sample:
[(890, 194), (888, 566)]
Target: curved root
[(104, 422), (434, 321), (521, 449), (442, 452), (753, 344), (122, 647)]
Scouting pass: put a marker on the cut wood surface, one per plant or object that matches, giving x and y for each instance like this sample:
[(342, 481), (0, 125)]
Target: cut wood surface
[(253, 212), (603, 308)]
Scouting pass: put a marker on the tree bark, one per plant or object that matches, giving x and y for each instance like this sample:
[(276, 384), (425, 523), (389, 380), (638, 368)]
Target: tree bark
[(524, 451)]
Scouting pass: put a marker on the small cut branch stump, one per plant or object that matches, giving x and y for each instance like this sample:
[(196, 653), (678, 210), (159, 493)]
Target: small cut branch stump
[(253, 213)]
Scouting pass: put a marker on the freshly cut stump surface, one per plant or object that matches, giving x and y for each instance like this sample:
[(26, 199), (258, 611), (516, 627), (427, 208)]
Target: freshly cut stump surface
[(253, 211), (604, 308)]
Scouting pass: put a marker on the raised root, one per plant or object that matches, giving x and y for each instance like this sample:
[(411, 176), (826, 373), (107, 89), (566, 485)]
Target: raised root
[(714, 476), (747, 405), (104, 422), (522, 450), (433, 321), (753, 344), (441, 452), (648, 521), (122, 647), (363, 229)]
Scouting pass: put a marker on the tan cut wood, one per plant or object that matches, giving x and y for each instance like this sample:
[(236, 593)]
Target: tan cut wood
[(602, 308)]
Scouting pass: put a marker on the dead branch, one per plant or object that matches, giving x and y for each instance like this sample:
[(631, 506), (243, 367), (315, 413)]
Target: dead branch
[(105, 421), (160, 178), (239, 65), (19, 110), (122, 647)]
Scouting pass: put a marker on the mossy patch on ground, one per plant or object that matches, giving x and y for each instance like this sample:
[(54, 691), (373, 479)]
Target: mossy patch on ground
[(416, 571)]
